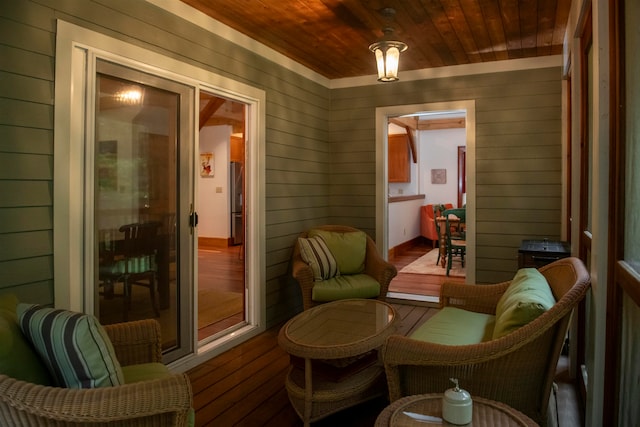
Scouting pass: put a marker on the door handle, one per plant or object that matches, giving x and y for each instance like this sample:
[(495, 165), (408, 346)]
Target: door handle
[(193, 218)]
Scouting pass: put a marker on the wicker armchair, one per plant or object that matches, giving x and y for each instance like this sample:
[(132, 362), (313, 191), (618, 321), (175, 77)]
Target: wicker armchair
[(374, 266), (517, 369), (160, 402)]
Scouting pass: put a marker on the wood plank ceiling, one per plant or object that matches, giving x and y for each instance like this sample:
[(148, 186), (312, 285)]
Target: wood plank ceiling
[(332, 37)]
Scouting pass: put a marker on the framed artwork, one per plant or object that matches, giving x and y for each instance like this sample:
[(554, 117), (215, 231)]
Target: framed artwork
[(207, 165), (438, 176)]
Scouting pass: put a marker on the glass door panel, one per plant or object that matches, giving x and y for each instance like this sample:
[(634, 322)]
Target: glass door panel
[(140, 120)]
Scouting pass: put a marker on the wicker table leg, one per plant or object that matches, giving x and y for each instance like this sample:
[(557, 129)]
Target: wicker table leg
[(308, 391)]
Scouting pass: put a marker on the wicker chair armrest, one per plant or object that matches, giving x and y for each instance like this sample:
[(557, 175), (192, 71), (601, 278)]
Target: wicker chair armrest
[(478, 298), (136, 342), (302, 272), (160, 402), (376, 267)]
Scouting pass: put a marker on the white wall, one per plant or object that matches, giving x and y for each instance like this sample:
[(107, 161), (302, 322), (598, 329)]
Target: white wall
[(438, 149), (213, 204), (404, 221)]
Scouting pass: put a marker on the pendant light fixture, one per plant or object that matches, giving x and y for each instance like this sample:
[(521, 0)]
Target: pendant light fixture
[(387, 51)]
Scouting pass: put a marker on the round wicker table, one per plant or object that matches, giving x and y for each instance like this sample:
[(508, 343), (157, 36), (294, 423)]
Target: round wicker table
[(406, 412), (334, 361)]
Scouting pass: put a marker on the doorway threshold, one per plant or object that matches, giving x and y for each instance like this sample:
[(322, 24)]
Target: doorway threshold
[(400, 297)]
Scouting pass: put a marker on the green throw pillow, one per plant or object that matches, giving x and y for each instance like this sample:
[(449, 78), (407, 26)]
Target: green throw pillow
[(526, 298), (349, 248), (314, 251), (17, 358), (74, 346)]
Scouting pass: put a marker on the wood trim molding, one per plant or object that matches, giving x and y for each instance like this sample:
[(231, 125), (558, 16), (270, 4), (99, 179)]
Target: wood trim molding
[(629, 280), (438, 124)]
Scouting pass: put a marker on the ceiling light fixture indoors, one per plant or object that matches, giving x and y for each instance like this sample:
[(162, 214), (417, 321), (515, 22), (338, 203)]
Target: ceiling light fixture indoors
[(387, 51)]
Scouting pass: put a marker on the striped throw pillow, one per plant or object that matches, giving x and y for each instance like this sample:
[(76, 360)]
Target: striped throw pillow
[(314, 251), (74, 346)]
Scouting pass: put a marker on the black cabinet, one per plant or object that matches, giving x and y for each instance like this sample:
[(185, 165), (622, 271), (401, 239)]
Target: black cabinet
[(536, 253)]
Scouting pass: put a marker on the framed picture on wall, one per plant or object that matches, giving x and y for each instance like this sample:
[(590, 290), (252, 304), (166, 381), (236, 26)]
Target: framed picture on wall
[(207, 165), (438, 176)]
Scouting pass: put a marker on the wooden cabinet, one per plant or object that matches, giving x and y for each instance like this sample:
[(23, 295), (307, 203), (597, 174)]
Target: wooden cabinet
[(399, 158), (236, 153)]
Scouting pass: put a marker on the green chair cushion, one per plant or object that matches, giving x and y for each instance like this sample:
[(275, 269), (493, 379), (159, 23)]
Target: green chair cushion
[(74, 346), (454, 326), (314, 251), (348, 248), (527, 297), (18, 359), (343, 287), (144, 372)]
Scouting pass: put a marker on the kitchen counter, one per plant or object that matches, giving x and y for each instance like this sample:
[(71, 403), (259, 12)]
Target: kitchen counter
[(394, 199)]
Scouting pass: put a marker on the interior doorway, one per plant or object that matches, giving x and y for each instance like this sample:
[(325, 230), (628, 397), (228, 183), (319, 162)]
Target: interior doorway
[(221, 285), (435, 176), (384, 192)]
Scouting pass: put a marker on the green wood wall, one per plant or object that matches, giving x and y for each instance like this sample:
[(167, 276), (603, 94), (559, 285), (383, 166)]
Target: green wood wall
[(518, 156), (297, 149), (320, 143)]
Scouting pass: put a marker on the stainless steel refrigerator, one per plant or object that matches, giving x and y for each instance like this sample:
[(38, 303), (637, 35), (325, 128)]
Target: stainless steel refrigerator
[(236, 191)]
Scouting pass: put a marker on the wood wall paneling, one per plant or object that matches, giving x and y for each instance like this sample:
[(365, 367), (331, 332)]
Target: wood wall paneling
[(518, 148), (316, 138)]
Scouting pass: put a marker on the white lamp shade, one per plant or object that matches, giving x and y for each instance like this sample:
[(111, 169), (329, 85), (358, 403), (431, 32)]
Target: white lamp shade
[(387, 59)]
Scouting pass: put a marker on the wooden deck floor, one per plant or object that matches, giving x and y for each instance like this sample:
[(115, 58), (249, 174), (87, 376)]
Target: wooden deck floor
[(245, 385)]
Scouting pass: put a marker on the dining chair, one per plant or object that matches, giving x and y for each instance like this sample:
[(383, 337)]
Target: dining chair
[(132, 261), (456, 235)]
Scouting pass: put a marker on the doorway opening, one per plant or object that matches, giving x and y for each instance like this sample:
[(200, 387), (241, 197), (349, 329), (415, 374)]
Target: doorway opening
[(221, 287), (441, 154)]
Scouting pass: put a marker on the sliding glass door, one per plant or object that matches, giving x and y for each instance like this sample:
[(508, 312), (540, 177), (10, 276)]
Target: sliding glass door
[(142, 197)]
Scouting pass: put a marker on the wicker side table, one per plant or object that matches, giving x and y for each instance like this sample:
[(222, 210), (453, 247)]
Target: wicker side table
[(333, 353), (486, 413)]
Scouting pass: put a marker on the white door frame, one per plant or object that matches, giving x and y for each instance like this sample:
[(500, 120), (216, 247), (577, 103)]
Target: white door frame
[(71, 269)]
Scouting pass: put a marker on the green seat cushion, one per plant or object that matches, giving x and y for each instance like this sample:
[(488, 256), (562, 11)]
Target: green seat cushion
[(18, 359), (144, 372), (526, 298), (74, 346), (316, 253), (349, 248), (343, 287), (454, 326)]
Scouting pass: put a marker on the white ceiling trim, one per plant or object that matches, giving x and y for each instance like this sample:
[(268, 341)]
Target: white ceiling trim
[(454, 71)]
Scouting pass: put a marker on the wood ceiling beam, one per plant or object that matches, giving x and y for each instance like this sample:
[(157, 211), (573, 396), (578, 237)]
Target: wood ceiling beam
[(456, 123), (412, 144), (210, 109), (411, 122)]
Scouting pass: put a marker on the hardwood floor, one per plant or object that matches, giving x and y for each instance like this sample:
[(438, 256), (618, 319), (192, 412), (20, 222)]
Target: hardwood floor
[(245, 385), (417, 284), (220, 270)]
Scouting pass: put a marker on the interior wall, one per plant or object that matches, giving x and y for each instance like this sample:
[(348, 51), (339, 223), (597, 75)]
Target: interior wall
[(214, 209), (438, 149)]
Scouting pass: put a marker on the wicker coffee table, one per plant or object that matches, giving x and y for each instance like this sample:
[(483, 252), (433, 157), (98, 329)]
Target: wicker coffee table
[(404, 413), (334, 361)]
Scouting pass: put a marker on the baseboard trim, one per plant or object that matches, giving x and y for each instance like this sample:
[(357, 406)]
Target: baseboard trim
[(213, 242)]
